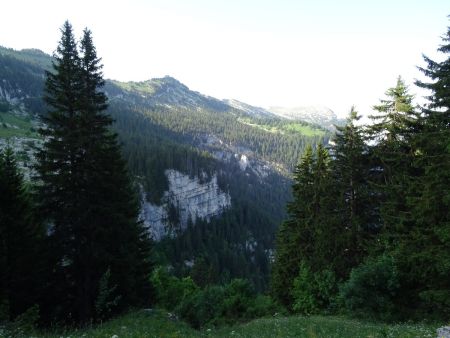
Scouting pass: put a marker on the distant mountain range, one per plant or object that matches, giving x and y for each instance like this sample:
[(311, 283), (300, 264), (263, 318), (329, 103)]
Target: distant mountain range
[(170, 92), (215, 174)]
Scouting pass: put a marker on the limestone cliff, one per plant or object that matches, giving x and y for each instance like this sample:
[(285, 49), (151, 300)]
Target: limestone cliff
[(189, 197)]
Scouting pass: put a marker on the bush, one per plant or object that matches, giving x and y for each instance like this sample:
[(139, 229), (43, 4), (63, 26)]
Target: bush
[(216, 305), (24, 325), (436, 302), (106, 301), (263, 306), (213, 305), (238, 296), (313, 292), (170, 291), (371, 288), (202, 307)]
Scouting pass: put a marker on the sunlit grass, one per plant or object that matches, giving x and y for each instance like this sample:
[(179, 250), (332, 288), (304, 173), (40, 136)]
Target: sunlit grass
[(288, 128), (12, 125), (156, 323)]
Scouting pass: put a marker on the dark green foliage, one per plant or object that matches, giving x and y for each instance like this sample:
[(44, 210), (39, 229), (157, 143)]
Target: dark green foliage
[(22, 79), (20, 238), (427, 267), (313, 233), (24, 325), (292, 234), (257, 202), (203, 307), (156, 137), (212, 305), (313, 292), (388, 222), (106, 300), (170, 291), (4, 106), (392, 155), (228, 304), (220, 249), (357, 216), (86, 195), (238, 294), (372, 289)]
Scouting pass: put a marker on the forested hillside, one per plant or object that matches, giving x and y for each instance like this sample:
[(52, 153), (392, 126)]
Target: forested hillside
[(128, 195), (164, 125), (368, 227)]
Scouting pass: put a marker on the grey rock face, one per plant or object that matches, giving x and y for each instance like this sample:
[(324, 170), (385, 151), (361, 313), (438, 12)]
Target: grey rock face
[(443, 332), (192, 198)]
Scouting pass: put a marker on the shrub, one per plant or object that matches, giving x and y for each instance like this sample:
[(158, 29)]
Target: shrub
[(262, 306), (24, 325), (106, 301), (170, 291), (238, 296), (212, 305), (371, 288), (202, 307), (313, 292), (228, 304)]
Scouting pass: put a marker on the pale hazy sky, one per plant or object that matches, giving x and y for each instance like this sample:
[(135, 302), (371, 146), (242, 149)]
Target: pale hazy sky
[(277, 52)]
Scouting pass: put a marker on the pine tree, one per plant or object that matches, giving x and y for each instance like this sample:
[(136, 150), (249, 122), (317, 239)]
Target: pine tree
[(19, 242), (87, 196), (294, 235), (425, 266), (392, 153), (323, 217), (312, 236), (351, 171)]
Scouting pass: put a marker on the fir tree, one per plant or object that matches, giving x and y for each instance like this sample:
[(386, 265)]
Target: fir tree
[(392, 154), (294, 238), (87, 196), (311, 236), (351, 171), (424, 254), (19, 242)]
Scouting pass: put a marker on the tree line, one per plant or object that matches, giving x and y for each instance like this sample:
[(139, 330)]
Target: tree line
[(368, 229), (71, 245)]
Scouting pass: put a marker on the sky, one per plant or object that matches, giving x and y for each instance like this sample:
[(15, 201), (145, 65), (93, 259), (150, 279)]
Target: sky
[(265, 53)]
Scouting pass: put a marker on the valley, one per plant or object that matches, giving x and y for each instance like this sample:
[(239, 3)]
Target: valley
[(178, 143), (147, 208)]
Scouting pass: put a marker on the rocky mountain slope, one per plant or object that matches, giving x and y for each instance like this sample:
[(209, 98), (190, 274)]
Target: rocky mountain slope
[(214, 173), (186, 200), (318, 115)]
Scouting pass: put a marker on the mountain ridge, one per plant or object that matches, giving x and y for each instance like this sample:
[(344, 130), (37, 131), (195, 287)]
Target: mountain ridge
[(233, 154), (182, 95)]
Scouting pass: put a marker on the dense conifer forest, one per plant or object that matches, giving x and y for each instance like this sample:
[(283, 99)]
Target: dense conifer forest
[(354, 221)]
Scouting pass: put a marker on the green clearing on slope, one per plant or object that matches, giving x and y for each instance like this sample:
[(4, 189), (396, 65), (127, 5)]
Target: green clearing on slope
[(285, 128), (13, 125), (157, 323)]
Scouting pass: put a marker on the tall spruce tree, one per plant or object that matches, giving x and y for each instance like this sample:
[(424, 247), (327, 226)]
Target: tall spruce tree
[(353, 197), (100, 250), (20, 239), (294, 238), (426, 266), (311, 235), (392, 154)]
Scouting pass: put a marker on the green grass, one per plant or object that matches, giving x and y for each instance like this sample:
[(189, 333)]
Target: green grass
[(12, 125), (287, 128), (136, 325), (324, 327), (303, 129), (157, 324), (141, 87)]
